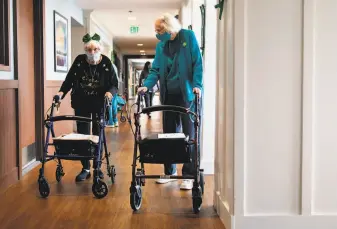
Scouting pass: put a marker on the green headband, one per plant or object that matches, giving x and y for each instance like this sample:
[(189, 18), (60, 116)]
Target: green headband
[(88, 38)]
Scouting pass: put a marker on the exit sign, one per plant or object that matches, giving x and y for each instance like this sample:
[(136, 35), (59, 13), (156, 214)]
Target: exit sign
[(134, 29)]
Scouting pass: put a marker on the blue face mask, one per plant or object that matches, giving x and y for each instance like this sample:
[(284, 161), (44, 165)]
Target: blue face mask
[(163, 37)]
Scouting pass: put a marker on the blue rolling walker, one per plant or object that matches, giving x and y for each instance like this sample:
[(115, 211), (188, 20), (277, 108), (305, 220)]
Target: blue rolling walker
[(90, 148)]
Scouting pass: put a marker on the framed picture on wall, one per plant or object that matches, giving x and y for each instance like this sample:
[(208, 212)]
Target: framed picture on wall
[(60, 43)]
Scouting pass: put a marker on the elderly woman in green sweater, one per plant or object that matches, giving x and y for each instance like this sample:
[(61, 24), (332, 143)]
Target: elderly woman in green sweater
[(178, 67)]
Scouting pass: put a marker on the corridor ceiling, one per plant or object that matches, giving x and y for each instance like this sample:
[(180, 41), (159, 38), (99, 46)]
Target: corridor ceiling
[(116, 17)]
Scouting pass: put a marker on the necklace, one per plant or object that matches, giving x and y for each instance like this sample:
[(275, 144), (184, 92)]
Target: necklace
[(92, 74)]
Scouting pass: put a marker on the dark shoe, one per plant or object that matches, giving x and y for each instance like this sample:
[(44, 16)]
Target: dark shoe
[(83, 175), (100, 174)]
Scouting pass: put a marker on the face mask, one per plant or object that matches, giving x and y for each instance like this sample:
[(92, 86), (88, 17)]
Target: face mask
[(94, 57), (163, 37)]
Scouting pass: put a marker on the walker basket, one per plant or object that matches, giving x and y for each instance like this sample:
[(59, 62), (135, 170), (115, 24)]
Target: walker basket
[(74, 145), (165, 148)]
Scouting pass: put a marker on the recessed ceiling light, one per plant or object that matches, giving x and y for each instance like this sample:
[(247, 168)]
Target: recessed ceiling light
[(141, 51), (139, 44)]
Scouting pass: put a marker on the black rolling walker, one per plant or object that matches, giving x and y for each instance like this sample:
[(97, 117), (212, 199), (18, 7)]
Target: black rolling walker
[(84, 147), (166, 148)]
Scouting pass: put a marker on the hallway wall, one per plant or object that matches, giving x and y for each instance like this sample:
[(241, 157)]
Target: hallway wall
[(67, 9), (8, 114), (53, 80), (321, 104), (284, 116)]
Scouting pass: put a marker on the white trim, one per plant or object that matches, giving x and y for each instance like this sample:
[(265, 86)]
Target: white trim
[(308, 103), (208, 167), (240, 18), (30, 166), (286, 222), (222, 209)]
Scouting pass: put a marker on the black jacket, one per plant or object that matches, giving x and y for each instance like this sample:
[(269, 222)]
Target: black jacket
[(89, 83)]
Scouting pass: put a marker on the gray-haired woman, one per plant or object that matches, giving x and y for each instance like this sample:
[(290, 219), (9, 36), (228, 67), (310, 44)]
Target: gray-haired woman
[(90, 78), (178, 67)]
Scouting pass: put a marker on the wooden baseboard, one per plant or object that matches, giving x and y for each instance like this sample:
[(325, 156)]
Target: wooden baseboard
[(9, 179)]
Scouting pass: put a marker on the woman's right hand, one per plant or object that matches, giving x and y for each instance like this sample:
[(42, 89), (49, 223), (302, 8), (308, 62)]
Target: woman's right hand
[(60, 95), (142, 89)]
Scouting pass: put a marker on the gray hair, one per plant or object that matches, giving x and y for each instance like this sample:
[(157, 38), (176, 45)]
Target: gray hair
[(170, 23), (95, 43)]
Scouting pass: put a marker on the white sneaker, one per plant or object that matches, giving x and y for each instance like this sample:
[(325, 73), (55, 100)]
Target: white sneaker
[(164, 181), (186, 185)]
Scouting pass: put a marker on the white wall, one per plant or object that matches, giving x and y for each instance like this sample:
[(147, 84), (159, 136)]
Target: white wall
[(209, 94), (325, 112), (273, 117), (97, 27), (77, 47), (9, 75), (196, 18), (68, 9), (284, 116), (186, 13)]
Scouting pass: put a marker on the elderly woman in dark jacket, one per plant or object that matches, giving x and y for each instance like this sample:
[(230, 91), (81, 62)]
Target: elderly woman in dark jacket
[(90, 78)]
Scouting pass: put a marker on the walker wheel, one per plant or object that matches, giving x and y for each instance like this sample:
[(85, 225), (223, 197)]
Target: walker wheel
[(99, 189), (197, 201), (136, 197), (59, 173), (44, 188), (112, 174), (122, 119)]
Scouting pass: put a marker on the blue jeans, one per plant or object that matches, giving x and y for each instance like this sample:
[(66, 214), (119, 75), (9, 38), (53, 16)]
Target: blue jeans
[(113, 111)]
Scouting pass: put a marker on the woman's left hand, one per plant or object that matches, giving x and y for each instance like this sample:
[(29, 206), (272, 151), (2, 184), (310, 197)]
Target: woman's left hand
[(197, 91), (109, 95)]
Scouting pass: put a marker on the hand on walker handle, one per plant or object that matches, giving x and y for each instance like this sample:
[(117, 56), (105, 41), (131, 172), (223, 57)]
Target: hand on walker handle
[(142, 90), (58, 96), (197, 91), (109, 95)]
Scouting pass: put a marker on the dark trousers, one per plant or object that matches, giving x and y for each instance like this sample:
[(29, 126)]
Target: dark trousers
[(149, 99), (84, 128), (174, 123)]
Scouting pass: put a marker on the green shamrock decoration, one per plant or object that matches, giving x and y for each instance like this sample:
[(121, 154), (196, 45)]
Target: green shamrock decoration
[(86, 38), (220, 5), (184, 44)]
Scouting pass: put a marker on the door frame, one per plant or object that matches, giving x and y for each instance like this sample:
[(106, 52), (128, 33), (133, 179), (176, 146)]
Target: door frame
[(126, 66), (39, 68)]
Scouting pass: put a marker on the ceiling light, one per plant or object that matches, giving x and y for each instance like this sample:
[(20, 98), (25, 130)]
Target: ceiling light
[(143, 54), (139, 44), (141, 51)]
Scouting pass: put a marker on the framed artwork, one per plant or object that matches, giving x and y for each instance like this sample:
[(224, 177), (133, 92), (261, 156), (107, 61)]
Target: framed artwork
[(60, 43)]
